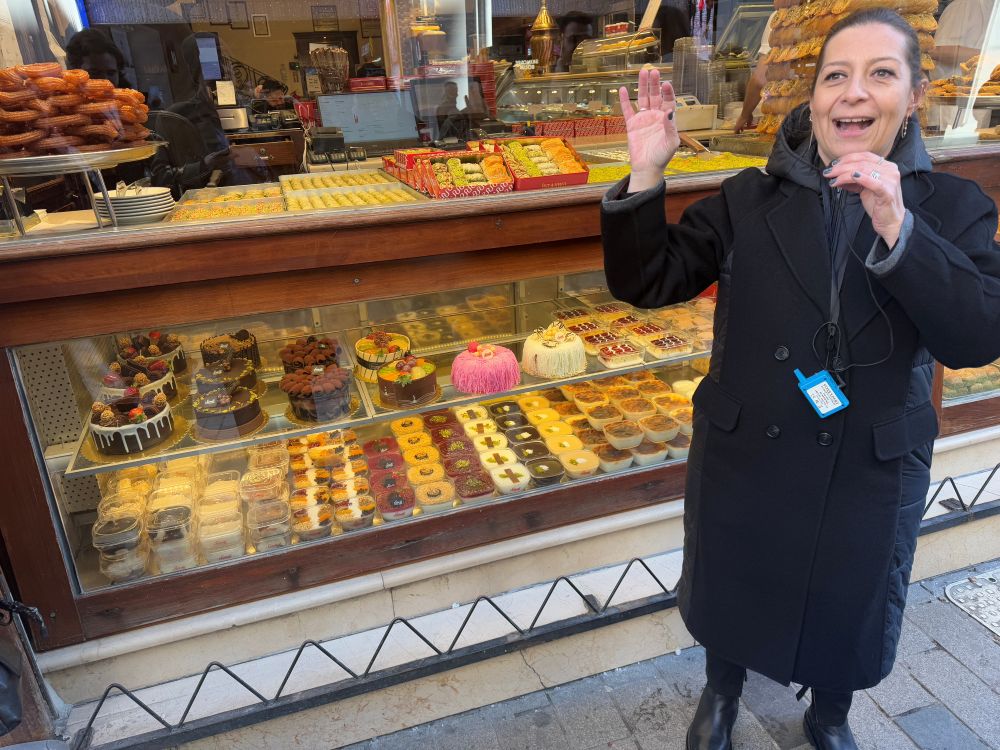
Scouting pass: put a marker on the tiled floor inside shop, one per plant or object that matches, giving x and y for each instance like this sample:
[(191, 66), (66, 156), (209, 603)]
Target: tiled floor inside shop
[(944, 694)]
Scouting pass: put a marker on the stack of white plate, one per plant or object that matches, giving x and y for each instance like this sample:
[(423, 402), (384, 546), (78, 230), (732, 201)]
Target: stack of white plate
[(149, 205)]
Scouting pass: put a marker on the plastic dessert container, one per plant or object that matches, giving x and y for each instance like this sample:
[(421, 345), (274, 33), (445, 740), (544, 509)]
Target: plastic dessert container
[(554, 428), (262, 485), (312, 521), (435, 497), (474, 487), (647, 453), (510, 479), (581, 463), (169, 518), (528, 451), (659, 428), (612, 459), (558, 444), (545, 471), (538, 416), (637, 408), (471, 413), (124, 565), (272, 458), (461, 464), (267, 519), (220, 531), (396, 504), (602, 416)]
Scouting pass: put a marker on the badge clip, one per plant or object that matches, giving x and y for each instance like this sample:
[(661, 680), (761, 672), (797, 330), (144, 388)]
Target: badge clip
[(822, 393)]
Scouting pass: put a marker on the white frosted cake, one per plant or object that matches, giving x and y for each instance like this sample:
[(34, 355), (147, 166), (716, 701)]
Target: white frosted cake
[(553, 352)]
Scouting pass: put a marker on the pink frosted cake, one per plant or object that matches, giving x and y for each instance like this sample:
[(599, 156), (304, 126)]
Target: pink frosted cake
[(484, 369)]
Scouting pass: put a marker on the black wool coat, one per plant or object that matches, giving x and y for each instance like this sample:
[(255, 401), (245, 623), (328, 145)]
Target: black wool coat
[(800, 531)]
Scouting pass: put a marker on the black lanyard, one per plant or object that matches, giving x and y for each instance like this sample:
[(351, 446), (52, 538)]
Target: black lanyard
[(838, 244)]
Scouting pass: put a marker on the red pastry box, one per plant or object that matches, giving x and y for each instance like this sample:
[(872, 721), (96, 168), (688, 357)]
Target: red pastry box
[(614, 125), (429, 166), (374, 83), (522, 181), (555, 128), (588, 127), (406, 158)]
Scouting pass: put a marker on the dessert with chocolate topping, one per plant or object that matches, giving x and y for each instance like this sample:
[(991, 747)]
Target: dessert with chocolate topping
[(309, 352), (377, 349), (156, 345), (223, 413), (318, 394), (240, 344), (227, 374), (130, 424), (407, 381), (129, 379)]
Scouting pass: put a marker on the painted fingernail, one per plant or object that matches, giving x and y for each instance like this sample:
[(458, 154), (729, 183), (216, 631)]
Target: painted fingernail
[(828, 170), (835, 162), (833, 182), (670, 116), (855, 175)]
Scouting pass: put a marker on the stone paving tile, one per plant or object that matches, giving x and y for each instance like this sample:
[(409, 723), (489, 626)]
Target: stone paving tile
[(965, 695), (873, 729), (469, 730), (964, 638), (937, 584), (656, 714), (749, 733), (413, 738), (587, 713), (917, 594), (625, 744), (776, 708), (912, 640), (936, 728), (528, 723), (899, 692)]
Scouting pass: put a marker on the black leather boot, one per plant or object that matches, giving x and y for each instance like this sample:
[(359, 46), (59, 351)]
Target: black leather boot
[(712, 726), (825, 737)]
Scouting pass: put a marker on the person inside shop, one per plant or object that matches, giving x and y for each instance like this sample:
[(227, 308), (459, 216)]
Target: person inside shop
[(270, 96), (757, 81), (92, 51), (843, 272), (959, 37), (673, 22), (575, 27)]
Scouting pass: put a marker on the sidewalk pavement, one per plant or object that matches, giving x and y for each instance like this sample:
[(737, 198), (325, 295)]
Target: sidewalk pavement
[(944, 694)]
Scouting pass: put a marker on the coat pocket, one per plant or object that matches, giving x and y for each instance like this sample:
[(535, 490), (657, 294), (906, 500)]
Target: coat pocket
[(719, 407), (897, 437)]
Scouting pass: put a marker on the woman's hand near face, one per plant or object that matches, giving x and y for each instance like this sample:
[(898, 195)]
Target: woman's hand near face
[(652, 132), (877, 181)]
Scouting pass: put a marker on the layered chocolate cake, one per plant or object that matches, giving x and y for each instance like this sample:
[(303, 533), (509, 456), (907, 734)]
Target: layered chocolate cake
[(318, 394), (222, 414), (242, 344), (226, 374), (407, 382), (141, 349), (130, 424), (129, 379), (306, 353), (376, 350)]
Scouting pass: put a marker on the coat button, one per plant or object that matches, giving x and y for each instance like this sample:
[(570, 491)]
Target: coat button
[(824, 439), (781, 353), (773, 431)]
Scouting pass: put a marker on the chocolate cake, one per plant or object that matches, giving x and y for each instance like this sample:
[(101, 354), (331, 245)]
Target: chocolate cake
[(306, 353), (141, 349), (130, 379), (319, 394), (131, 424), (226, 374), (240, 344), (222, 413), (407, 382)]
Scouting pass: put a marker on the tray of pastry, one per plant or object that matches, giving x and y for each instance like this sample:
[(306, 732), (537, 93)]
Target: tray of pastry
[(977, 102), (47, 164)]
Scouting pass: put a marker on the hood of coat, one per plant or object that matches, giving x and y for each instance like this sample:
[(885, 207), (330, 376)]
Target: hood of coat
[(794, 154)]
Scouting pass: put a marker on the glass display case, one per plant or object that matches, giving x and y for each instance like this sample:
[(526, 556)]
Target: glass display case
[(562, 95), (618, 52), (206, 444), (972, 384)]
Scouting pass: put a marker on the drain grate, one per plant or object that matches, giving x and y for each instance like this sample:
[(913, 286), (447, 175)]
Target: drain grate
[(979, 595)]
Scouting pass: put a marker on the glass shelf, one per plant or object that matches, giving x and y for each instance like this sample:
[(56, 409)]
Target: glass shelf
[(367, 407)]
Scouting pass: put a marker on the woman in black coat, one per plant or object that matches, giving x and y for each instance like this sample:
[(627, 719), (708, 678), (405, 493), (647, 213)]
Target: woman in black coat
[(848, 256)]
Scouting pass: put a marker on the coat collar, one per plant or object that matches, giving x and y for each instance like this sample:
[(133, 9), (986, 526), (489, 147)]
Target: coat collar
[(797, 224)]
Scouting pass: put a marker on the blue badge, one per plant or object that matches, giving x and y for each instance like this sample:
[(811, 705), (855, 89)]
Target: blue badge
[(822, 393)]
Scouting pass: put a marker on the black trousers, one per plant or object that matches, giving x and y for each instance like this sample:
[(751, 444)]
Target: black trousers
[(727, 679)]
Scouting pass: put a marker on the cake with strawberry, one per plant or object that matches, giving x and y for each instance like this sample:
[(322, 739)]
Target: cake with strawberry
[(132, 380), (376, 350), (141, 349), (485, 368), (131, 424), (407, 382)]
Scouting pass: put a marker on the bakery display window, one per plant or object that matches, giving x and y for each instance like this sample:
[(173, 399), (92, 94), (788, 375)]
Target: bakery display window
[(205, 444), (971, 384)]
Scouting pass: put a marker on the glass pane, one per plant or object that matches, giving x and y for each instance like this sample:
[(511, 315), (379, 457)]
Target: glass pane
[(971, 384), (229, 109), (207, 443)]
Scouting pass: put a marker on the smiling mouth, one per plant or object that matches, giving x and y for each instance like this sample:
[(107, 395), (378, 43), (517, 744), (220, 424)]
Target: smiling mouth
[(853, 125)]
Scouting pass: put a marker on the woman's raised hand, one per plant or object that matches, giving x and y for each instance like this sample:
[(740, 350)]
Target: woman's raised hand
[(652, 132)]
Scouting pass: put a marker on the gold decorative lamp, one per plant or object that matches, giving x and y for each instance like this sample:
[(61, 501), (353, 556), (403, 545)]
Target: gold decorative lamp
[(544, 35)]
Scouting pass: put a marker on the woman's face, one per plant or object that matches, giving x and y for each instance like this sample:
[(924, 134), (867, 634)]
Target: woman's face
[(863, 91)]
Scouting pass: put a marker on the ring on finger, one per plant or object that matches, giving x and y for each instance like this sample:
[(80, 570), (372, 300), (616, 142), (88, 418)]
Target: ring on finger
[(875, 175)]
